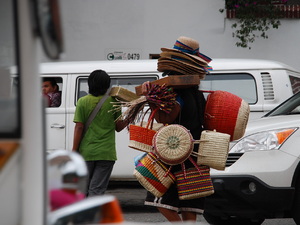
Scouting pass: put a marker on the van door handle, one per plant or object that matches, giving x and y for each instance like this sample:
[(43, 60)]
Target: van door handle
[(59, 126)]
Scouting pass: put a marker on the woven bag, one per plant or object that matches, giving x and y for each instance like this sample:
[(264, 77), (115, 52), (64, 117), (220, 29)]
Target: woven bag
[(213, 149), (173, 144), (153, 175), (140, 138), (226, 113), (194, 184)]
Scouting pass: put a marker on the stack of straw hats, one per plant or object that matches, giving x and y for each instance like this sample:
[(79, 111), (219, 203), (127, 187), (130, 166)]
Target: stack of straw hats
[(183, 58)]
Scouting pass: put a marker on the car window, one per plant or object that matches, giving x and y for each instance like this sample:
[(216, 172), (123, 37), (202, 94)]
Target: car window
[(288, 107), (127, 82), (240, 84)]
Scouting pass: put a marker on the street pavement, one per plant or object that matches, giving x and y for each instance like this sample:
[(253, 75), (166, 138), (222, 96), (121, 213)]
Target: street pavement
[(131, 197)]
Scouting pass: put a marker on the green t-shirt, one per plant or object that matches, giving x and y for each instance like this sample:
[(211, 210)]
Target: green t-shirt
[(98, 142)]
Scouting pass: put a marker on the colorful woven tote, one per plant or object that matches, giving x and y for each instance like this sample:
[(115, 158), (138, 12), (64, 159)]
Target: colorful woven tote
[(193, 184), (153, 175)]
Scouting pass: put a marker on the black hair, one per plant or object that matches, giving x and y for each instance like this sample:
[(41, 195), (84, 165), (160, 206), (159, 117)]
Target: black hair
[(52, 81), (99, 82)]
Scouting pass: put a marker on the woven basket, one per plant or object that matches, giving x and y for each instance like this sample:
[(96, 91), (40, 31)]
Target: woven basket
[(213, 149), (226, 113), (153, 175), (140, 138), (173, 144), (192, 184)]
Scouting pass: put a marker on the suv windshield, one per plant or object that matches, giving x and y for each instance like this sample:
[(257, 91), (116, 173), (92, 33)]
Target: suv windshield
[(288, 107)]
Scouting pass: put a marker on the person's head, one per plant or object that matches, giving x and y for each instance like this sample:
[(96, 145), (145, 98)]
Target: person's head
[(99, 82), (49, 85)]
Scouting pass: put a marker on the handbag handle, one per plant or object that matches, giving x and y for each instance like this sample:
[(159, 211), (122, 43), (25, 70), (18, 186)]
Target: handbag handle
[(151, 117)]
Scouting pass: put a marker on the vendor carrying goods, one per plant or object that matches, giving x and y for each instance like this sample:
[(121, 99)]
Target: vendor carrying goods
[(140, 138), (193, 183), (226, 113), (175, 81), (153, 175), (123, 94), (173, 144), (213, 149)]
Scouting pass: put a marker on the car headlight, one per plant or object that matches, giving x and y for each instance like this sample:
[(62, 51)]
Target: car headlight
[(266, 140)]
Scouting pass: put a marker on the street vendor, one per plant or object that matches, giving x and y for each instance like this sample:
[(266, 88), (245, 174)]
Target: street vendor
[(187, 111)]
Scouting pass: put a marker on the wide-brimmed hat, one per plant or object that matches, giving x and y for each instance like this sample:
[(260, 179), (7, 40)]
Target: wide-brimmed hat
[(184, 58), (189, 47), (170, 64)]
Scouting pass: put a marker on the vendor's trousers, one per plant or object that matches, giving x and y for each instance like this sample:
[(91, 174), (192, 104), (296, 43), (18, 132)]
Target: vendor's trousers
[(98, 176)]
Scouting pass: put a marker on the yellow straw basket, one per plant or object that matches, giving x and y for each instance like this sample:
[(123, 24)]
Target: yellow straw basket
[(213, 149)]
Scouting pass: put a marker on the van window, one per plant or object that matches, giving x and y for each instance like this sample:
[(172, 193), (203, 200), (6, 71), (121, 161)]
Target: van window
[(127, 82), (53, 99), (240, 84), (295, 82)]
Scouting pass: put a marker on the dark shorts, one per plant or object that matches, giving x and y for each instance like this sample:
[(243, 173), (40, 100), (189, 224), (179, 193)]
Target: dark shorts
[(171, 201)]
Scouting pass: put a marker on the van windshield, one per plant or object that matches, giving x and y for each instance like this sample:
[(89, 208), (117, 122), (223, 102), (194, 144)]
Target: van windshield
[(240, 84)]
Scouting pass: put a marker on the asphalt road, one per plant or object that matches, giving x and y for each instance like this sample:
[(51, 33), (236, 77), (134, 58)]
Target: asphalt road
[(131, 198)]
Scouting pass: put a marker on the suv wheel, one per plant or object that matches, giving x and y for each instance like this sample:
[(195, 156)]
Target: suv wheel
[(296, 205), (215, 220)]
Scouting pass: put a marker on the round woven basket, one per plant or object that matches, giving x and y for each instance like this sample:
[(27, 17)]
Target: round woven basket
[(226, 113), (173, 144)]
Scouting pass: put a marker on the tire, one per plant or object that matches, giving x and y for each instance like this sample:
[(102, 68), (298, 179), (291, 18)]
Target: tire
[(296, 204), (215, 220)]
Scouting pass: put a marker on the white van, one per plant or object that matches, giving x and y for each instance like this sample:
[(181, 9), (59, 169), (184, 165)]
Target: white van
[(263, 84)]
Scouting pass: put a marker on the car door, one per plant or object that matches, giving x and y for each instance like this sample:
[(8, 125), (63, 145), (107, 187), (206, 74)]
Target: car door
[(55, 118)]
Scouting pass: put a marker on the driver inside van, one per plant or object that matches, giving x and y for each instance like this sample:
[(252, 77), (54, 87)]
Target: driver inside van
[(51, 92)]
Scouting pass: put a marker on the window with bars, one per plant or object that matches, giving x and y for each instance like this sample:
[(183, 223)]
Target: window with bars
[(284, 8)]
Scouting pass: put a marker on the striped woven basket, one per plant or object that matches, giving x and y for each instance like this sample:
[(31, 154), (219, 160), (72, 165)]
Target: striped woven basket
[(194, 184), (226, 113), (140, 138), (213, 149), (153, 175)]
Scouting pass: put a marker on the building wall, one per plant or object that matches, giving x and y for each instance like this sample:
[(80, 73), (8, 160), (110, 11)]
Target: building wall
[(95, 28)]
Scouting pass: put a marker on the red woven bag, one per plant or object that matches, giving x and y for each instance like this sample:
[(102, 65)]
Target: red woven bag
[(140, 138), (226, 113)]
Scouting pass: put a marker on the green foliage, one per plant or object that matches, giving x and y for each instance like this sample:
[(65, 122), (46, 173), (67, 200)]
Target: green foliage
[(254, 19)]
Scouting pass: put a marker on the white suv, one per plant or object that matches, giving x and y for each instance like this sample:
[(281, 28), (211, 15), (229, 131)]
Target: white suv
[(262, 175)]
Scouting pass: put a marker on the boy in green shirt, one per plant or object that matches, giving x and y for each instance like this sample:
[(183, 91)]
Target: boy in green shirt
[(97, 145)]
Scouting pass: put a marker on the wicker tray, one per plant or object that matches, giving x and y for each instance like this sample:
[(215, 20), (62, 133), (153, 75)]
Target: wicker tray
[(123, 94), (176, 81)]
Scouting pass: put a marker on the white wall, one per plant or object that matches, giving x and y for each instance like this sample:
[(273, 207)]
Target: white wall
[(92, 28)]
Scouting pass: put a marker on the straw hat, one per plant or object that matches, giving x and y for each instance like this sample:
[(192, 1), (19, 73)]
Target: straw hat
[(188, 47), (184, 58)]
